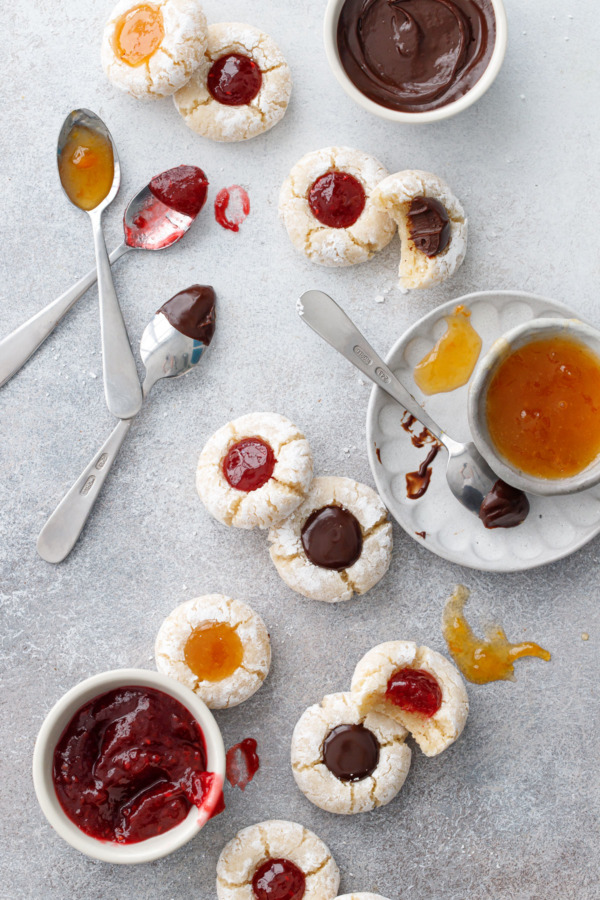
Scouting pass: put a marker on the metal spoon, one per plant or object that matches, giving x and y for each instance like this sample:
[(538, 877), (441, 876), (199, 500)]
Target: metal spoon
[(469, 477), (148, 224), (121, 383), (166, 353)]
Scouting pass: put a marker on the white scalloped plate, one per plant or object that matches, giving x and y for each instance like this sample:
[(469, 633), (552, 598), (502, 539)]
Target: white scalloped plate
[(555, 527)]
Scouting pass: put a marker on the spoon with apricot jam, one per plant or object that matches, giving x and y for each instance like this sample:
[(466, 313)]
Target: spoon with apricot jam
[(469, 477), (158, 216), (90, 174)]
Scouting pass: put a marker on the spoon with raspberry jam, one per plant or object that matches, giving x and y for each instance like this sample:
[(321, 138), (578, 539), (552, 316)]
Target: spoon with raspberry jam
[(172, 344), (158, 216)]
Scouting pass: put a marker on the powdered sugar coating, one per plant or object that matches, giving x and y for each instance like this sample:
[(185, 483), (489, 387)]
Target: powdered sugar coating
[(327, 246), (329, 585), (276, 839), (369, 684), (321, 786), (250, 628), (284, 491), (172, 64), (394, 195), (214, 120)]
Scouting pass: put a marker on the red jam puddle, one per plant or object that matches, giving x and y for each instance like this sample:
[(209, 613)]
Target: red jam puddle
[(232, 207), (337, 199), (414, 691), (234, 80), (279, 879), (242, 763), (249, 464), (183, 189), (130, 765)]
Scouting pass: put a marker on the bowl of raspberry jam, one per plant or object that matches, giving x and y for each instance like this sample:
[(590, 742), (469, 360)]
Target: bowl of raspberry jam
[(128, 766)]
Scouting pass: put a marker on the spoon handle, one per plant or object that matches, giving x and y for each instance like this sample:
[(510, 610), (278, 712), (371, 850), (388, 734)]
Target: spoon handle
[(121, 383), (19, 345), (61, 532), (331, 323)]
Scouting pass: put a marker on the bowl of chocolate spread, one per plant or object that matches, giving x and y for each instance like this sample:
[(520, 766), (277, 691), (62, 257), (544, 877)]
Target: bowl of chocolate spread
[(415, 60)]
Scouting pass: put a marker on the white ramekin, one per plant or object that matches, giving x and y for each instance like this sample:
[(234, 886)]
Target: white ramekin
[(54, 725), (536, 329), (332, 14)]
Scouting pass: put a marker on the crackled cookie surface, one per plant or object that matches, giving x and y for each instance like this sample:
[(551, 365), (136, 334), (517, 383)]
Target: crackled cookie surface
[(276, 859), (345, 761), (431, 223), (240, 89), (152, 49), (337, 543), (417, 687), (326, 206), (217, 646), (361, 896), (254, 471)]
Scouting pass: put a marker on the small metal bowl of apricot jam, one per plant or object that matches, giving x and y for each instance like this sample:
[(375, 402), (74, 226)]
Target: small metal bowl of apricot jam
[(534, 407)]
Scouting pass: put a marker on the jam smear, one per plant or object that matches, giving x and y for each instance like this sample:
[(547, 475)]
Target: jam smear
[(213, 651), (414, 691), (428, 225), (130, 765), (332, 538), (504, 507), (351, 752), (450, 364), (249, 464), (242, 763), (86, 167), (138, 34), (337, 199), (234, 80), (543, 407), (183, 189), (418, 482), (482, 661), (193, 312), (232, 207), (279, 879)]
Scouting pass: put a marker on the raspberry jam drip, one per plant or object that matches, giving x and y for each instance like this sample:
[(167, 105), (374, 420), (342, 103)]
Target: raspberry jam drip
[(249, 464), (279, 879), (234, 80), (351, 752), (183, 189), (242, 763), (232, 207), (414, 691), (213, 651), (332, 538), (130, 765), (337, 199)]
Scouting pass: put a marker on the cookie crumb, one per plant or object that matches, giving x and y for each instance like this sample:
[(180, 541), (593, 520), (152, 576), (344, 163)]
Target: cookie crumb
[(585, 636)]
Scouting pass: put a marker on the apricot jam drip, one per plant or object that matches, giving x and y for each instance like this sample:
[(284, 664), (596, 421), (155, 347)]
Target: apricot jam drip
[(482, 661), (138, 34), (337, 199), (450, 364), (279, 879), (414, 691), (213, 651), (543, 407), (86, 167), (249, 464)]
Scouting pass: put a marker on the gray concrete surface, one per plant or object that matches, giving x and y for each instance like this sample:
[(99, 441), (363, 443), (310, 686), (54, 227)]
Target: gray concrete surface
[(511, 811)]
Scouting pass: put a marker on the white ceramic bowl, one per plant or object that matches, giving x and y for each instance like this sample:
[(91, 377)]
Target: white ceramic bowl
[(332, 15), (535, 329), (55, 723)]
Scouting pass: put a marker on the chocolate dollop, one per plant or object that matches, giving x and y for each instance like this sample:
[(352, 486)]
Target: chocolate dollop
[(415, 55), (332, 538), (428, 225), (504, 507), (192, 312), (351, 752)]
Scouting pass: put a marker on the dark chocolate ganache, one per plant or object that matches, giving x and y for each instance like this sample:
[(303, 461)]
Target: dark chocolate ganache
[(351, 752), (332, 538), (428, 225), (415, 55), (192, 312), (504, 507)]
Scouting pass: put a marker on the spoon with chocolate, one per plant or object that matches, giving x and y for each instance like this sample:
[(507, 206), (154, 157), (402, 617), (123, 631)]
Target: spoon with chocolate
[(172, 344), (470, 479), (158, 216)]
